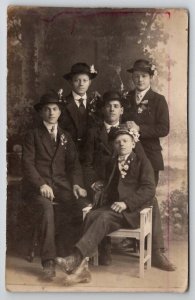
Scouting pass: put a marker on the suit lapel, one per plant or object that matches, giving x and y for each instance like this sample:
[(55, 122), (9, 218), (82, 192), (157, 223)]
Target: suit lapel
[(72, 109), (103, 138), (46, 140)]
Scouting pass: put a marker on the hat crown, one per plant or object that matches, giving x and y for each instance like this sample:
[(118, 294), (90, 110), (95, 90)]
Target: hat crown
[(123, 129), (48, 98), (142, 65), (111, 96), (80, 68)]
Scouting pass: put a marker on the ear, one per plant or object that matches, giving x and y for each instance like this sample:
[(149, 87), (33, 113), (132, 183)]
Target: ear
[(122, 110), (133, 145)]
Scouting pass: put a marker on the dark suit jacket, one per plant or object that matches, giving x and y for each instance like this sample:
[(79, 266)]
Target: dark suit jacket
[(44, 164), (98, 151), (153, 122), (69, 120), (137, 189)]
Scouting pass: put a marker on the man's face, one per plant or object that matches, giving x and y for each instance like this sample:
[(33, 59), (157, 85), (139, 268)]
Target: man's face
[(80, 83), (124, 144), (141, 80), (112, 112), (50, 113)]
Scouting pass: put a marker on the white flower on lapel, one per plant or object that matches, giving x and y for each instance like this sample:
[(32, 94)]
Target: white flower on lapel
[(142, 106), (63, 140)]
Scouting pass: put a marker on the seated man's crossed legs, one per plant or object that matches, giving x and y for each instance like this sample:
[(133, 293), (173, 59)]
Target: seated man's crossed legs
[(97, 225)]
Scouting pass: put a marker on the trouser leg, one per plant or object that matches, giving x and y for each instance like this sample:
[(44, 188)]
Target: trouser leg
[(47, 228), (98, 224), (157, 233)]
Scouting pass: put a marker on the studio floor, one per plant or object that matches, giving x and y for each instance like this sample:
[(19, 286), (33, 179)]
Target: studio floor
[(122, 275)]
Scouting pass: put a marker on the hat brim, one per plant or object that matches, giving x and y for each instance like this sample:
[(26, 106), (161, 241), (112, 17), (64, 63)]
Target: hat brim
[(69, 76), (38, 106), (146, 70)]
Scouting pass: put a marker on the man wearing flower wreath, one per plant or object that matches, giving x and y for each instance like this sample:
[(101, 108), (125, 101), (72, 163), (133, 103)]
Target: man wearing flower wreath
[(53, 177), (147, 112), (130, 188), (80, 110)]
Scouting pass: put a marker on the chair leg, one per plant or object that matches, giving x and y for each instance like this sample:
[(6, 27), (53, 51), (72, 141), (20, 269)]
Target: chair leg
[(141, 258), (149, 250)]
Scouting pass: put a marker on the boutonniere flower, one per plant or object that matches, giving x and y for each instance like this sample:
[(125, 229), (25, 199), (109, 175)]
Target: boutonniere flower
[(93, 70), (63, 140), (125, 168), (142, 106), (93, 101)]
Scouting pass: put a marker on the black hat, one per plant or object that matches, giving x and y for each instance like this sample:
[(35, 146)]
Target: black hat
[(144, 66), (123, 129), (81, 68), (111, 96), (51, 97)]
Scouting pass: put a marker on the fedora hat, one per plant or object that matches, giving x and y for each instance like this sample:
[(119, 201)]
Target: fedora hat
[(81, 68), (111, 96), (49, 98), (143, 65)]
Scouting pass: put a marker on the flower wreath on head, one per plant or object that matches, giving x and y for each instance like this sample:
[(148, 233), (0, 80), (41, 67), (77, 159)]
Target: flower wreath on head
[(135, 134)]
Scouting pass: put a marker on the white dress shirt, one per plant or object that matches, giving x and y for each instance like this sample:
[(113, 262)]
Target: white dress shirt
[(78, 97)]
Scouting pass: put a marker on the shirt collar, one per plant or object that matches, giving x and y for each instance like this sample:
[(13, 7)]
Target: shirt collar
[(142, 93), (108, 126), (77, 97), (49, 126), (123, 157)]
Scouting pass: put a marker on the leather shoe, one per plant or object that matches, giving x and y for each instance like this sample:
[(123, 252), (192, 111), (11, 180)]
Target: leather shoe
[(160, 261), (80, 275), (48, 269), (69, 263)]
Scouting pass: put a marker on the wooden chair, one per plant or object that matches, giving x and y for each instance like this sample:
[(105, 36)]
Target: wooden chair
[(144, 232)]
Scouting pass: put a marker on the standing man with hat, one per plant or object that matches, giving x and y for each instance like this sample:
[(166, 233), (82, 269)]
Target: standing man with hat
[(77, 116), (130, 188), (147, 112), (53, 177)]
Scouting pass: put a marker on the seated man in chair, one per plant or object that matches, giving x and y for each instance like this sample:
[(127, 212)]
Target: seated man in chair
[(130, 188), (53, 177)]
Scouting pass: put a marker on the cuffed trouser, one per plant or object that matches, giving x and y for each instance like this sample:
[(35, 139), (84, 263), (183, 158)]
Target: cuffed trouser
[(98, 224)]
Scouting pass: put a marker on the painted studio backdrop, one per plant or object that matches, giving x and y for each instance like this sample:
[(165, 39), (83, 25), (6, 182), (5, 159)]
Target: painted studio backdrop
[(43, 44)]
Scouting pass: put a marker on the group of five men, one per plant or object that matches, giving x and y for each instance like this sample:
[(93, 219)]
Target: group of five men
[(68, 159)]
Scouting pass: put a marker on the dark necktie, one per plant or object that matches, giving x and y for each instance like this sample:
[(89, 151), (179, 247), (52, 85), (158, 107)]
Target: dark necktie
[(52, 134), (111, 132), (81, 106)]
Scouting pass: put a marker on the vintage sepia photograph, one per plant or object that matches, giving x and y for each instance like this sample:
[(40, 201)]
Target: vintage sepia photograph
[(97, 150)]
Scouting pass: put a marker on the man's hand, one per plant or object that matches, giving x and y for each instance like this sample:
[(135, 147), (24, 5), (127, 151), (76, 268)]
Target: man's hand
[(132, 125), (79, 192), (47, 192), (97, 186), (119, 206)]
